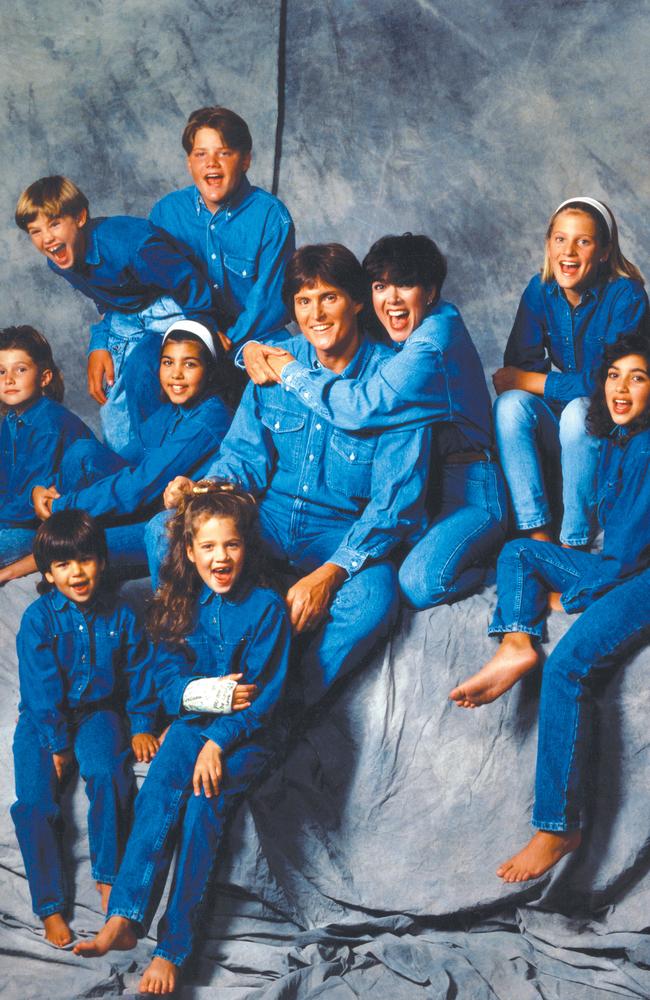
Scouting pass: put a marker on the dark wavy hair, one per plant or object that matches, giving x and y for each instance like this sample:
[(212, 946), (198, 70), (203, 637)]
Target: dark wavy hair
[(68, 534), (406, 260), (331, 263), (172, 612), (599, 421), (29, 340)]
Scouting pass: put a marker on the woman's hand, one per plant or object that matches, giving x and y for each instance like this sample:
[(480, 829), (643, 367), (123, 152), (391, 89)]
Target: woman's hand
[(208, 770), (265, 363)]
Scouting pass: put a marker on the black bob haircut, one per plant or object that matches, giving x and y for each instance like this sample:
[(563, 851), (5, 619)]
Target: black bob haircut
[(68, 534), (406, 260)]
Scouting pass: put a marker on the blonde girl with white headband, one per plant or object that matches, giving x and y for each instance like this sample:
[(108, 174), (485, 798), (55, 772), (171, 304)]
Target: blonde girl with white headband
[(179, 438), (587, 296)]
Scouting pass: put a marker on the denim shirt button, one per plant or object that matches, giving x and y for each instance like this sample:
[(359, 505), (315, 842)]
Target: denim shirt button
[(212, 227), (352, 456), (318, 427), (243, 274), (305, 487), (311, 458), (277, 425)]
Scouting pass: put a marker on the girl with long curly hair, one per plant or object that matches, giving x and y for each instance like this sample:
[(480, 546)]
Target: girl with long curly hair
[(223, 654)]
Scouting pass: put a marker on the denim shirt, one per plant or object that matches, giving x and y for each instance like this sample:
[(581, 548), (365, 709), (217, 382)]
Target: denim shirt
[(69, 659), (624, 514), (247, 632), (129, 263), (245, 245), (548, 332), (371, 487), (32, 446), (435, 377), (175, 441)]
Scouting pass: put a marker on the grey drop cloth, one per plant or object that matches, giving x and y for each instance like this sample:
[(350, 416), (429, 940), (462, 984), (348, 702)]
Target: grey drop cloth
[(364, 866)]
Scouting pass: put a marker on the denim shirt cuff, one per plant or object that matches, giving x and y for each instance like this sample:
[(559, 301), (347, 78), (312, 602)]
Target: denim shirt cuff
[(291, 374), (98, 337), (351, 560), (141, 724), (56, 742), (238, 359), (552, 387)]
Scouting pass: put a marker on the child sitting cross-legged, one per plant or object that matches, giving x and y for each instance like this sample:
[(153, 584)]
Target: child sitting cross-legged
[(83, 660)]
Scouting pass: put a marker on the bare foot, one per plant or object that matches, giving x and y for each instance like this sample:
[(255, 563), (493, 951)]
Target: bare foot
[(104, 890), (515, 657), (542, 851), (555, 601), (117, 934), (57, 931), (160, 976), (540, 535)]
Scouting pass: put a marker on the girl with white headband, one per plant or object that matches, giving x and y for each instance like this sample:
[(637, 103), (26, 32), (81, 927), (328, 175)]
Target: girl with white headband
[(586, 297), (179, 438)]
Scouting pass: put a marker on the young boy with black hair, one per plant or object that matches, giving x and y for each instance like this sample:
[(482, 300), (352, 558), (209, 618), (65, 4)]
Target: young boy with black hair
[(242, 234), (81, 656), (140, 278)]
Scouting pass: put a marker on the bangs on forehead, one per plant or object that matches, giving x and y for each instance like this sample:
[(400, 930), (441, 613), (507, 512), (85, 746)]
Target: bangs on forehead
[(399, 273)]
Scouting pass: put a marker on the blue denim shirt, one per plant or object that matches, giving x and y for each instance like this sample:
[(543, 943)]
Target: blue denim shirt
[(247, 632), (548, 332), (174, 441), (69, 659), (624, 514), (129, 263), (372, 487), (245, 246), (435, 377), (32, 446)]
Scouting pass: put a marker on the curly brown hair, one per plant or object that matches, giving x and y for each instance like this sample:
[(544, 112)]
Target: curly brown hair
[(172, 612), (599, 422)]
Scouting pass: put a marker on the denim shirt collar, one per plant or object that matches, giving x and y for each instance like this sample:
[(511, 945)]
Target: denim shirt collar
[(353, 369), (31, 415), (100, 603), (233, 202), (593, 292), (241, 593)]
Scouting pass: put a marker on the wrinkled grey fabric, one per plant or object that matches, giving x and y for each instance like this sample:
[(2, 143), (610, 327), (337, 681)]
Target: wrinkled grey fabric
[(364, 866)]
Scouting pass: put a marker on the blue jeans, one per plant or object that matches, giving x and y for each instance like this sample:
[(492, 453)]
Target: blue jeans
[(450, 561), (363, 611), (607, 631), (15, 543), (103, 754), (529, 436), (527, 570), (133, 340), (85, 463), (167, 813)]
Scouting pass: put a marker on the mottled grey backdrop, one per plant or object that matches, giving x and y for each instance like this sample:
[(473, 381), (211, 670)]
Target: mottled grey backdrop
[(466, 120)]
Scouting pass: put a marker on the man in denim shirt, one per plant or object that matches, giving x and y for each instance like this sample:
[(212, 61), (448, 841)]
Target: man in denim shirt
[(244, 235), (333, 505)]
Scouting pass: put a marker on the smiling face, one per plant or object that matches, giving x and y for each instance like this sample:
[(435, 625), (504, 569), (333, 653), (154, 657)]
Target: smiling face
[(575, 252), (62, 239), (21, 382), (182, 372), (216, 169), (627, 389), (327, 317), (77, 579), (218, 551), (400, 308)]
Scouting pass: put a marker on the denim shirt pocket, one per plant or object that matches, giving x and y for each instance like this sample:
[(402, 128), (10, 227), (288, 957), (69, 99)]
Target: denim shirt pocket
[(286, 429), (198, 660), (348, 468), (243, 270)]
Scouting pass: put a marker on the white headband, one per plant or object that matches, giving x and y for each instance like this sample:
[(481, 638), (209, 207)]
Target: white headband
[(598, 205), (191, 326)]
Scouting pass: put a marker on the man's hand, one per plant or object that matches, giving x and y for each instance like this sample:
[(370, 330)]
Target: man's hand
[(62, 761), (175, 490), (265, 363), (145, 746), (309, 599), (42, 497), (100, 370), (208, 770), (516, 378)]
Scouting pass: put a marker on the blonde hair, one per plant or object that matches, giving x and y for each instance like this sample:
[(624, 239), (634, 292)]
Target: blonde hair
[(616, 265), (53, 196)]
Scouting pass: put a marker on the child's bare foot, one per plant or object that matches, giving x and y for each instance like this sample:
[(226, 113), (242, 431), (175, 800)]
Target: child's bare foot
[(57, 931), (540, 535), (117, 934), (160, 976), (515, 657), (104, 890), (555, 601), (542, 851)]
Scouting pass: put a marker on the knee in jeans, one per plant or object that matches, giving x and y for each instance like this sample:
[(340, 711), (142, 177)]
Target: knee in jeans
[(572, 421), (417, 589), (512, 407)]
